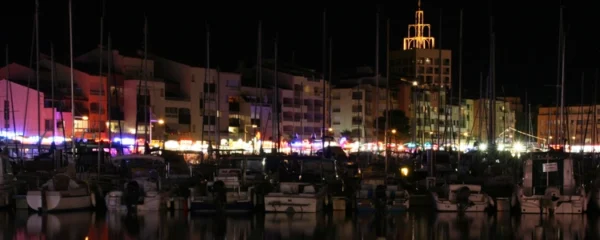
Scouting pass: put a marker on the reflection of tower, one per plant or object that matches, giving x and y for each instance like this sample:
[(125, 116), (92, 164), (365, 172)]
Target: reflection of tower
[(419, 34)]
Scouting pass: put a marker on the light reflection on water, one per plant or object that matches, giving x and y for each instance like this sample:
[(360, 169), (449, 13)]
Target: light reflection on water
[(412, 225)]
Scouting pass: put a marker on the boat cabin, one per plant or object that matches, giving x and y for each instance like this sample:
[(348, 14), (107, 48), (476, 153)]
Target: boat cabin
[(134, 166), (545, 170), (296, 188)]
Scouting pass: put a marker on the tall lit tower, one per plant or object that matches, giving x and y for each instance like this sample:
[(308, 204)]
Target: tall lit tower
[(419, 34), (420, 74)]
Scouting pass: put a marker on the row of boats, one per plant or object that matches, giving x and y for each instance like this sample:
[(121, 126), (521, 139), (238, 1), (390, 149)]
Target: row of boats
[(298, 184)]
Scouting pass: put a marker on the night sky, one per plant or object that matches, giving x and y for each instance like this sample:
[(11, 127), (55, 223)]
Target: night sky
[(526, 35)]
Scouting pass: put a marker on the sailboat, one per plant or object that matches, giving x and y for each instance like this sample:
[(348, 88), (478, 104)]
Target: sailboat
[(63, 191), (549, 184)]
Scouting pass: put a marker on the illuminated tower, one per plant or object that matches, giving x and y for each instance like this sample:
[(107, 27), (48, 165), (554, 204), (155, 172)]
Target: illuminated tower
[(419, 34), (422, 74)]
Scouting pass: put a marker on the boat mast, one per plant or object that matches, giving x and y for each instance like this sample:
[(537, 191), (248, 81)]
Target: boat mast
[(31, 51), (562, 85), (275, 103), (37, 74), (440, 87), (377, 83), (581, 114), (147, 127), (72, 82), (6, 101), (108, 95), (12, 105), (258, 85), (492, 91), (324, 62), (260, 93), (52, 93), (387, 94), (460, 109), (99, 143), (207, 85), (110, 65), (558, 78)]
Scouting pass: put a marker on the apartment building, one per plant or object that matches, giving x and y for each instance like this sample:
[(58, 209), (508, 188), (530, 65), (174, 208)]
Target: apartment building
[(355, 105), (504, 123), (54, 96), (579, 128), (300, 92)]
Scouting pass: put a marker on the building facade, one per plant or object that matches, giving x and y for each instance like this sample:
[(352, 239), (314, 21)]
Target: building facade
[(356, 105), (579, 127)]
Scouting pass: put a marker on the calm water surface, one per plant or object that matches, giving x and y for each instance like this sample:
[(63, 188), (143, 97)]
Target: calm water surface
[(411, 225)]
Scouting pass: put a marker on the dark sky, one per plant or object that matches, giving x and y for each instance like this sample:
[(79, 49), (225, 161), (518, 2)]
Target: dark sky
[(526, 35)]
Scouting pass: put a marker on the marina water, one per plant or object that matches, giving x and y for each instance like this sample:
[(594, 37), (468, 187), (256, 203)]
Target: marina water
[(418, 224)]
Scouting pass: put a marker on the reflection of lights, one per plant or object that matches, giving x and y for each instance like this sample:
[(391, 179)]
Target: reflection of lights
[(483, 147), (500, 147), (404, 171), (518, 147)]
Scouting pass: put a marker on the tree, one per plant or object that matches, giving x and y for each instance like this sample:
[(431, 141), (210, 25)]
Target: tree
[(397, 121)]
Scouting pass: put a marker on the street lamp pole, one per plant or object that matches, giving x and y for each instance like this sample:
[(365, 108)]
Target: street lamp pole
[(246, 131), (160, 122)]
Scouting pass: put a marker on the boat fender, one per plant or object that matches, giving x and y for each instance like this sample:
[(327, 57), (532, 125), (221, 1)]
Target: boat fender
[(552, 193), (93, 198), (189, 203)]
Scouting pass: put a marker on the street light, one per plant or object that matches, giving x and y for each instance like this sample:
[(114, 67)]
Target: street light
[(160, 122)]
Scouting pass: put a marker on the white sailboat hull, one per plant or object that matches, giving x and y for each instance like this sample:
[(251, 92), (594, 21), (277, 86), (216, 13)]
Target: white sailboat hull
[(279, 202), (444, 205), (574, 204), (477, 201), (61, 200), (539, 203), (152, 202)]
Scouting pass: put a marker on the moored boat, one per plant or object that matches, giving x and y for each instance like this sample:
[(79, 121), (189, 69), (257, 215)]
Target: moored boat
[(61, 193), (376, 193), (461, 198), (142, 190), (296, 197), (549, 186), (224, 194)]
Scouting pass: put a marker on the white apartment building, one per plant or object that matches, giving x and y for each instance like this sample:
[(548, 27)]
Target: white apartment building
[(301, 97), (355, 108)]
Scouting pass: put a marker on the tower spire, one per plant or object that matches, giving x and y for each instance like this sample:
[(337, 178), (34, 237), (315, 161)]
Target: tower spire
[(419, 33)]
